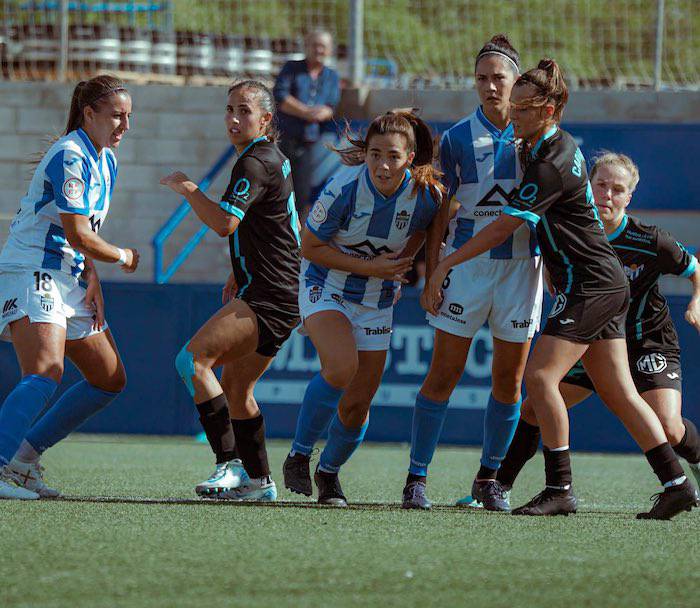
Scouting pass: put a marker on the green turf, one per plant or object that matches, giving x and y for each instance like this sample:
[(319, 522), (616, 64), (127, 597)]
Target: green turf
[(123, 554)]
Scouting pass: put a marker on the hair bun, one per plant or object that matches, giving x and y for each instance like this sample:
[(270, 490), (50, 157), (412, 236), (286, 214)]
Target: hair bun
[(548, 65), (501, 40)]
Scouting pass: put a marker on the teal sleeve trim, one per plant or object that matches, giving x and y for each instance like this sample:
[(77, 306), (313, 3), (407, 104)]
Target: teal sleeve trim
[(528, 216), (232, 210), (690, 271)]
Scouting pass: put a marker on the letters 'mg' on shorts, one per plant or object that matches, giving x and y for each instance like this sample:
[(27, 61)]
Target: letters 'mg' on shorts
[(45, 296), (371, 327)]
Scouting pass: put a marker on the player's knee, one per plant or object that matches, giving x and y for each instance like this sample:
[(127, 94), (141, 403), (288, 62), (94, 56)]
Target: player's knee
[(340, 375), (537, 382), (354, 413), (505, 386), (441, 381), (673, 427)]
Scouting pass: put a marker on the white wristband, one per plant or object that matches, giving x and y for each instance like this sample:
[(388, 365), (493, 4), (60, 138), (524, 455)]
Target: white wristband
[(122, 256)]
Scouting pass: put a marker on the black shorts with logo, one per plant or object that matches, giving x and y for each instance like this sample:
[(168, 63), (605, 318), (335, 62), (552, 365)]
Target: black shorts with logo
[(585, 319)]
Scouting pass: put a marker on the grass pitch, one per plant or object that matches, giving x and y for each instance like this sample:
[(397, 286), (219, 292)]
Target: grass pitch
[(161, 552)]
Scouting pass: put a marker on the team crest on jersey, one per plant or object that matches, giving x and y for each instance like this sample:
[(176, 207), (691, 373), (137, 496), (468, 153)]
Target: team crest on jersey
[(633, 271), (559, 305), (73, 188), (46, 303), (652, 363), (402, 218), (315, 294), (319, 213)]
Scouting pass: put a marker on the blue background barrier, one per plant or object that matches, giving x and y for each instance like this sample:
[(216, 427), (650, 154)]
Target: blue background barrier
[(152, 322)]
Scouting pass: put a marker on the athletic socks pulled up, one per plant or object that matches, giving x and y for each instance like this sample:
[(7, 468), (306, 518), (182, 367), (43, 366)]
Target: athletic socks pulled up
[(342, 443), (80, 402), (19, 410), (666, 465), (523, 447), (214, 416), (557, 468), (500, 422), (250, 445), (319, 405), (689, 446), (428, 419)]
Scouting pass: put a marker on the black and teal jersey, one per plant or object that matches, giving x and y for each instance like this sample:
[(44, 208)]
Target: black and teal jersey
[(555, 196), (265, 248), (646, 253)]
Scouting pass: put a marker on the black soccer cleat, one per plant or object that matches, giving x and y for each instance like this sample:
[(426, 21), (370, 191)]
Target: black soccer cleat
[(297, 477), (672, 501), (414, 496), (550, 502), (329, 490), (491, 494)]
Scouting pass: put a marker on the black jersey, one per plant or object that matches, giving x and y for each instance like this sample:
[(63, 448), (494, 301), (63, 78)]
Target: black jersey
[(647, 252), (556, 196), (265, 248)]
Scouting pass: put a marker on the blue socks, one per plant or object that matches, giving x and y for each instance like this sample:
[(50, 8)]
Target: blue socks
[(500, 422), (428, 418), (74, 407), (342, 443), (319, 405), (19, 410)]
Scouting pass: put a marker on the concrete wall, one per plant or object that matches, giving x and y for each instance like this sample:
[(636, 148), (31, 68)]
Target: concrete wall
[(182, 128)]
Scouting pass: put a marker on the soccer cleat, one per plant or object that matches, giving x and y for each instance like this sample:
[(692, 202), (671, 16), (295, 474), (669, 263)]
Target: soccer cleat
[(414, 496), (695, 470), (672, 501), (228, 475), (252, 490), (31, 477), (469, 502), (491, 494), (10, 487), (550, 502), (329, 490), (297, 476)]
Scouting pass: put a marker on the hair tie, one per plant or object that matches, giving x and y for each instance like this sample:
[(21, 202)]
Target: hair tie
[(480, 55)]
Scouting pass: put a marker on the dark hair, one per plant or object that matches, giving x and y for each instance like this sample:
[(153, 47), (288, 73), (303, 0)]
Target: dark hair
[(419, 139), (91, 93), (548, 79), (500, 45), (265, 100)]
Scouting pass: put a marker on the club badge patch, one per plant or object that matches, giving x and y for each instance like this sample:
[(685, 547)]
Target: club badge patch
[(73, 188), (402, 219), (315, 294), (319, 213)]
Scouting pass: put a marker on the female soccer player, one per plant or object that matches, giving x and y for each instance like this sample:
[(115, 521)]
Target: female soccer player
[(587, 319), (360, 238), (646, 253), (52, 299), (260, 309), (503, 285)]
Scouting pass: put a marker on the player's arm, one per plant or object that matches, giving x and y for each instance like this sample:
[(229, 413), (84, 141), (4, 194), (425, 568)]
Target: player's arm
[(692, 313), (434, 236)]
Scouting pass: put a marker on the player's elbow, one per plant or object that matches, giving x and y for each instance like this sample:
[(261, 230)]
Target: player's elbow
[(227, 227), (80, 240)]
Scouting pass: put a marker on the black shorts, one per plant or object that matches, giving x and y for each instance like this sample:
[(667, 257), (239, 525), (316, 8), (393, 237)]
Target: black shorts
[(275, 325), (586, 319)]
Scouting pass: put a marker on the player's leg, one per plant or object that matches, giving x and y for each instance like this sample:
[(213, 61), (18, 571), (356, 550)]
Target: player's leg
[(39, 348), (332, 334), (347, 428), (607, 365), (104, 377)]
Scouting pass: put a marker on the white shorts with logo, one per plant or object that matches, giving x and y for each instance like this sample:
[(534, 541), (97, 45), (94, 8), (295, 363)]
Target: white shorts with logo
[(506, 293), (50, 296), (371, 327)]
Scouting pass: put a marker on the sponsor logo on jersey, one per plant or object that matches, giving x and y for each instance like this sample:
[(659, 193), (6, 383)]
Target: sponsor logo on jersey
[(402, 218), (46, 303), (95, 223), (455, 309), (633, 271), (652, 363), (9, 307), (496, 197), (559, 305), (337, 298), (483, 157), (365, 250), (319, 213), (377, 331), (73, 188), (315, 294), (521, 324), (241, 190)]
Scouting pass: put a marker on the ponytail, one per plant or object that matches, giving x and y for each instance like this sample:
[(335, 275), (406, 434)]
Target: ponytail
[(548, 79)]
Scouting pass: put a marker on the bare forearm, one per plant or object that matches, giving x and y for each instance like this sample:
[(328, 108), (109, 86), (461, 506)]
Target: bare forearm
[(413, 245), (695, 280), (95, 247), (436, 232), (329, 257), (208, 210), (292, 106)]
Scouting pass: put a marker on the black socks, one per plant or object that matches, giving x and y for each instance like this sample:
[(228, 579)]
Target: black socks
[(213, 414)]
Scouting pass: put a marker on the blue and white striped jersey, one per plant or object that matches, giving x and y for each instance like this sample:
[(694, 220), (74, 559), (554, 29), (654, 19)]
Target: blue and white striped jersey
[(481, 169), (71, 178), (352, 216)]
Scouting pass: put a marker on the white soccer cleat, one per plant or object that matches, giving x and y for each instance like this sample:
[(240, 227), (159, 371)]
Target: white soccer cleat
[(228, 475), (10, 487), (252, 490), (31, 477)]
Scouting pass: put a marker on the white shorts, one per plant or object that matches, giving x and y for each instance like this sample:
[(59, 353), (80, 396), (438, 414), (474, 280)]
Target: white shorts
[(506, 293), (50, 296), (371, 327)]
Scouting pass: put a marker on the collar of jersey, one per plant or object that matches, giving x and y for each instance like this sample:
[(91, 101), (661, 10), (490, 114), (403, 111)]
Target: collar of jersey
[(542, 139), (378, 195), (88, 144), (491, 128), (620, 229), (251, 144)]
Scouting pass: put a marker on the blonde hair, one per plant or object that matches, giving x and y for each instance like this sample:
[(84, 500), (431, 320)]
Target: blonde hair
[(617, 159)]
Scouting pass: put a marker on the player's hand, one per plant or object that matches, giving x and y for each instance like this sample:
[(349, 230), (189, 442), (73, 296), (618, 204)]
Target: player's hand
[(397, 296), (178, 182), (132, 261), (390, 267), (230, 289), (95, 301), (692, 314), (431, 298)]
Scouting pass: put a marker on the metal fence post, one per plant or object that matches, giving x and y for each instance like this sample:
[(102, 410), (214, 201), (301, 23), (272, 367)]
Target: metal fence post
[(658, 58), (63, 61), (355, 42)]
